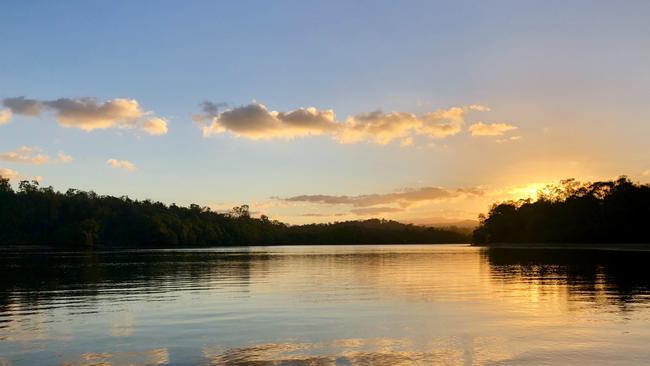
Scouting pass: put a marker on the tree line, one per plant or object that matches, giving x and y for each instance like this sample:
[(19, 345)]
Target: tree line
[(615, 211), (34, 215)]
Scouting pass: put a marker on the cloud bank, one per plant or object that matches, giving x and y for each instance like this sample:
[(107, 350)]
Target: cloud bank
[(402, 198), (371, 205), (255, 121), (89, 114)]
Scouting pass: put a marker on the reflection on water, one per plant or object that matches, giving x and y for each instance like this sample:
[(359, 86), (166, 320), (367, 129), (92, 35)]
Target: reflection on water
[(341, 305)]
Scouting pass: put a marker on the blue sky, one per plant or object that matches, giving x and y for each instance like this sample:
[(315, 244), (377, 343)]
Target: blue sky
[(573, 78)]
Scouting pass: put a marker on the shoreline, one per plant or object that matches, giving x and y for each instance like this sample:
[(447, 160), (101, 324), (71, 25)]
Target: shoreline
[(571, 246)]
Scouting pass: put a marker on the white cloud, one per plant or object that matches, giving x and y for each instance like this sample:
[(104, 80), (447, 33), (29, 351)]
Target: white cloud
[(155, 126), (121, 164), (490, 129), (5, 116), (89, 114)]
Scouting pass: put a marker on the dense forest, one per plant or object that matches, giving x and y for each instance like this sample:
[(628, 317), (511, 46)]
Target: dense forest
[(600, 212), (33, 215)]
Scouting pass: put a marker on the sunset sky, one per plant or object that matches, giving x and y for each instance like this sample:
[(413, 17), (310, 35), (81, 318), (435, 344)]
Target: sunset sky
[(311, 111)]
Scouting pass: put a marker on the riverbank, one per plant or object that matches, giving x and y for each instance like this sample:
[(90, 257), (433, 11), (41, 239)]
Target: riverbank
[(585, 246)]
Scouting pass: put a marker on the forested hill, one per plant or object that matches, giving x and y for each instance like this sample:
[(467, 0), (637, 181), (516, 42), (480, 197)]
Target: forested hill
[(600, 212), (33, 215)]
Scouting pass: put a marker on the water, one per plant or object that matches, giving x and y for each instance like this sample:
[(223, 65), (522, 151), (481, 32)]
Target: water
[(325, 305)]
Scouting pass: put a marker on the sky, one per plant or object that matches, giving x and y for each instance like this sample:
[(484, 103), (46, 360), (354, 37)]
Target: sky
[(320, 111)]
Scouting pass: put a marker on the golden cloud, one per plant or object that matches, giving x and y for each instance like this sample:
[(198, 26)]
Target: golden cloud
[(8, 173), (89, 114), (121, 164), (490, 129), (255, 121), (155, 126)]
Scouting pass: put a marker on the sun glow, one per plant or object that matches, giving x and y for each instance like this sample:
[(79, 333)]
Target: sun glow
[(530, 191)]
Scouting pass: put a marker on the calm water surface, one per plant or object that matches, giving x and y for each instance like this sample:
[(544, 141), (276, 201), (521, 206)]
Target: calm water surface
[(325, 305)]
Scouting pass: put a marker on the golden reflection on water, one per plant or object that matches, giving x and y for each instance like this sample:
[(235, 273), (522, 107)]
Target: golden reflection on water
[(152, 357), (374, 305), (379, 351)]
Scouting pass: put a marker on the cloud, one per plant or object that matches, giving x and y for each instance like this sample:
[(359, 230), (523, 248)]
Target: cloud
[(14, 175), (121, 164), (8, 173), (383, 128), (64, 158), (24, 155), (490, 129), (511, 138), (446, 122), (32, 155), (378, 127), (155, 126), (255, 121), (5, 116), (646, 173), (24, 106), (89, 114), (210, 110), (403, 198)]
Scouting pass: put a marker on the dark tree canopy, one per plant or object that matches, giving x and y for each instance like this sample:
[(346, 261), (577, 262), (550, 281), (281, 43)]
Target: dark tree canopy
[(33, 215), (601, 212)]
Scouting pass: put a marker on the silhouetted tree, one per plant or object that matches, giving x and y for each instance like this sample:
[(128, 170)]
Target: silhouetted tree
[(601, 212), (40, 215)]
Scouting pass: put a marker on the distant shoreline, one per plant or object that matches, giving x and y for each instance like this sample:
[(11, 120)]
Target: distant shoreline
[(586, 246)]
